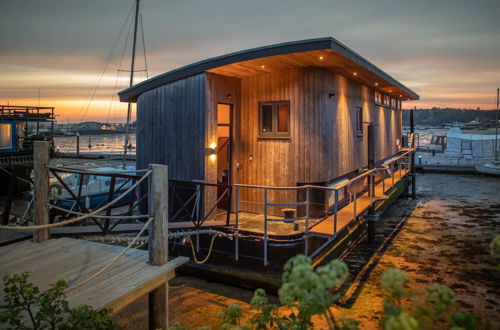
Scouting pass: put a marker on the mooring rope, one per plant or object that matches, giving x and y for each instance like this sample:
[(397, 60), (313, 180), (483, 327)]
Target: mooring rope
[(103, 269), (123, 217), (80, 218)]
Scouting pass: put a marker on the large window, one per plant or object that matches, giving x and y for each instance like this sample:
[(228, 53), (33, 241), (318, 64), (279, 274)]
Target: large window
[(274, 118)]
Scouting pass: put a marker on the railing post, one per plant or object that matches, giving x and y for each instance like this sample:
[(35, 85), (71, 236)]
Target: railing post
[(237, 210), (306, 240), (41, 189), (354, 206), (265, 227), (336, 208), (158, 245)]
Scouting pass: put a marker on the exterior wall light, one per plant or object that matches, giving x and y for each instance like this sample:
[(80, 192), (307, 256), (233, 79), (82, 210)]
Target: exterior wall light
[(212, 151)]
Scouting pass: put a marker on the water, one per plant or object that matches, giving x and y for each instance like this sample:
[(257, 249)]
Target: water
[(101, 143)]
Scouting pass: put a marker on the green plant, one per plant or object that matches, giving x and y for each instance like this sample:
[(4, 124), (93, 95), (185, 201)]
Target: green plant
[(434, 306), (495, 249), (28, 308), (305, 292)]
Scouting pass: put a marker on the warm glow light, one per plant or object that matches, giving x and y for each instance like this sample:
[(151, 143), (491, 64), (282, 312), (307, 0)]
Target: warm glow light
[(376, 84), (212, 145), (213, 157), (355, 74), (262, 66), (321, 57), (390, 90)]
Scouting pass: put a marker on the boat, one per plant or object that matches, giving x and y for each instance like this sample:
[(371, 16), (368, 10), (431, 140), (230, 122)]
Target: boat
[(492, 168), (457, 151), (94, 190)]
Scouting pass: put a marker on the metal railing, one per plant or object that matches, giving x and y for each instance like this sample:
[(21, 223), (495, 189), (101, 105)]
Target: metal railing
[(390, 168)]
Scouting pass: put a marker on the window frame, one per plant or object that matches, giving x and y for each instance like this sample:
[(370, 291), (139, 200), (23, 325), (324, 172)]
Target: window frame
[(380, 98), (274, 134), (359, 121)]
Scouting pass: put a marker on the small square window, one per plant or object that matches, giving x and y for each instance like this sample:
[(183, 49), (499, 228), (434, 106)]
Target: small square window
[(274, 118)]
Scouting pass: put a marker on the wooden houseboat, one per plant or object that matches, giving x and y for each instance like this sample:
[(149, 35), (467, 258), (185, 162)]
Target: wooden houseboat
[(279, 132)]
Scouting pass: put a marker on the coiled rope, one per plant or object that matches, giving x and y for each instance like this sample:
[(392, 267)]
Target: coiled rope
[(103, 269), (80, 218)]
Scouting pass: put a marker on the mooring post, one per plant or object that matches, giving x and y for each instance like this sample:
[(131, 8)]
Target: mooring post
[(41, 189), (158, 245), (77, 145), (412, 163)]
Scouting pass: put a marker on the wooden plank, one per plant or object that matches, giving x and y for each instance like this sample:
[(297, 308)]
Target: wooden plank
[(10, 236), (126, 280)]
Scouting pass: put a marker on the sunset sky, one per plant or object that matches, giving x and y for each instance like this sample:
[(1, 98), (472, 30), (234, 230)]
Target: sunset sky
[(448, 51)]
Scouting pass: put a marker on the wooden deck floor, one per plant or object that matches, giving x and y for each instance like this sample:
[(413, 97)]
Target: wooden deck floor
[(363, 202), (75, 260)]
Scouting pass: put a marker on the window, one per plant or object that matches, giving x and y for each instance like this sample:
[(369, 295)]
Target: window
[(359, 121), (387, 100), (394, 103), (274, 120), (5, 136), (378, 98)]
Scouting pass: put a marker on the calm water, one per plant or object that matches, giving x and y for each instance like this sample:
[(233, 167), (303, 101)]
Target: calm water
[(109, 143)]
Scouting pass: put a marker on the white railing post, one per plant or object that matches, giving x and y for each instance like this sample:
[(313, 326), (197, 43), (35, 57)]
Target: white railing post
[(265, 227), (306, 241), (237, 210), (336, 207)]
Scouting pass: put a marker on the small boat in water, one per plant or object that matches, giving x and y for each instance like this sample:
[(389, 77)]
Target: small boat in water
[(492, 168), (94, 191)]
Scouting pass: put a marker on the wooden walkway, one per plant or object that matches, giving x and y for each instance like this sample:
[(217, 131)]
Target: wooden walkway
[(73, 260), (363, 202)]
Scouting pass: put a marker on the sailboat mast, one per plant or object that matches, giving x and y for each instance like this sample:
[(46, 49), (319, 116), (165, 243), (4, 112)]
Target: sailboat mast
[(496, 127), (129, 109)]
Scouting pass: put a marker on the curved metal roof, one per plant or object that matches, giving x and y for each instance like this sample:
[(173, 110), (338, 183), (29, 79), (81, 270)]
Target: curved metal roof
[(131, 94)]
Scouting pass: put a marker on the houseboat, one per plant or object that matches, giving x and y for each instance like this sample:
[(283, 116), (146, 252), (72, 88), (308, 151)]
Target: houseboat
[(285, 147)]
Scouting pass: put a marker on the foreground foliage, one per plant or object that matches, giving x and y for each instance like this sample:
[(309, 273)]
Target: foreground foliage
[(308, 292), (28, 308)]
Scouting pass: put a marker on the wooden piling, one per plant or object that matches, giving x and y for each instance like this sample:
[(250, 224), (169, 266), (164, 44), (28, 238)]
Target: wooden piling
[(158, 245), (41, 189), (412, 164)]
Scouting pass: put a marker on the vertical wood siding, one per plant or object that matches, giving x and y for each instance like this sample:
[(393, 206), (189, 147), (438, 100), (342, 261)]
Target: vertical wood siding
[(171, 128), (177, 122)]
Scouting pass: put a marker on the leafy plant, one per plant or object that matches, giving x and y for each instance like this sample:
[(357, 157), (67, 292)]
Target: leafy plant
[(434, 306), (28, 308), (495, 249)]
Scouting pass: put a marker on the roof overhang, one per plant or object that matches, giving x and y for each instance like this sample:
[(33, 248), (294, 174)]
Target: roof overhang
[(322, 52)]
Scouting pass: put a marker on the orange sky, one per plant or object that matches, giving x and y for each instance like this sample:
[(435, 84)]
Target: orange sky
[(446, 51)]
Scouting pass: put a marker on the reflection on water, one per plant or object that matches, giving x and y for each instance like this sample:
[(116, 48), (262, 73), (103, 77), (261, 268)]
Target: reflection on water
[(101, 143)]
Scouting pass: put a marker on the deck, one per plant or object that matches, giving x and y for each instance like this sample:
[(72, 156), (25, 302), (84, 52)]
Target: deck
[(254, 222), (73, 260), (363, 202)]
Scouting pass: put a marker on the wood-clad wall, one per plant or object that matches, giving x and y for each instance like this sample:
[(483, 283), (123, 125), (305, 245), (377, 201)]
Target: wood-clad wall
[(177, 122), (171, 128), (323, 143)]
